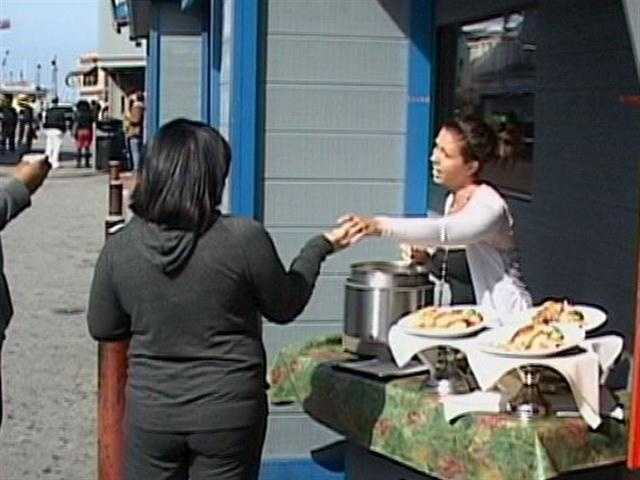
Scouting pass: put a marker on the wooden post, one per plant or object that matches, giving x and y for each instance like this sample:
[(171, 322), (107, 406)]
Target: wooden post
[(112, 364)]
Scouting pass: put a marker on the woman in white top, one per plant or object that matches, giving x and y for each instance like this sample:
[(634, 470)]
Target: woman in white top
[(475, 216)]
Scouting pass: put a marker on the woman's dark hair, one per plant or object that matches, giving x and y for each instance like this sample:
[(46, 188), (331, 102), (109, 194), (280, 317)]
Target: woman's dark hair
[(479, 140), (183, 176), (83, 105)]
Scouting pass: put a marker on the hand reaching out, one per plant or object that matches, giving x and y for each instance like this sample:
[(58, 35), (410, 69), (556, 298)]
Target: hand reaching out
[(32, 171), (413, 254), (341, 237), (351, 230)]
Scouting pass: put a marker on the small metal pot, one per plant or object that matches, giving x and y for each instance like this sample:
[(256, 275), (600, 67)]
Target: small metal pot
[(377, 295)]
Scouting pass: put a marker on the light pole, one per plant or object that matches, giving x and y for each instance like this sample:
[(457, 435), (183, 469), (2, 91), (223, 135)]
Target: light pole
[(54, 76), (4, 65), (38, 68)]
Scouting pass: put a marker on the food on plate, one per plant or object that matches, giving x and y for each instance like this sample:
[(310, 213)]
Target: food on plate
[(553, 311), (449, 319), (535, 337)]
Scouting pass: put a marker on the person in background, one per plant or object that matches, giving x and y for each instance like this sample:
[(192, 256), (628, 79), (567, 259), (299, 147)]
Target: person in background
[(476, 217), (26, 130), (134, 121), (55, 126), (9, 123), (83, 132), (196, 404), (95, 110), (15, 196)]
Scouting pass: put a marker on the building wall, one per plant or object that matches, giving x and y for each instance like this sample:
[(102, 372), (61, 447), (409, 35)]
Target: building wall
[(578, 234), (178, 51), (111, 42), (336, 83)]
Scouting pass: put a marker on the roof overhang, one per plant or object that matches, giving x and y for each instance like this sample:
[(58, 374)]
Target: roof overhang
[(116, 62)]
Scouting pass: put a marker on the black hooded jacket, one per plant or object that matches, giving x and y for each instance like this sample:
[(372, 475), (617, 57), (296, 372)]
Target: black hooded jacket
[(192, 308)]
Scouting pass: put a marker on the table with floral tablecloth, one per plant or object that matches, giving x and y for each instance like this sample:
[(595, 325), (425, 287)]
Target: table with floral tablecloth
[(402, 421)]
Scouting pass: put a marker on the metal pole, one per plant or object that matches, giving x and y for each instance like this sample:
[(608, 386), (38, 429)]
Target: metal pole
[(112, 364), (54, 77)]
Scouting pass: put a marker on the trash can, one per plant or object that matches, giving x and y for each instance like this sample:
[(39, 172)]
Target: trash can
[(110, 143), (103, 147)]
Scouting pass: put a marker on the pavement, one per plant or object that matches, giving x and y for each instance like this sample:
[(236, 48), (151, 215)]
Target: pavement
[(48, 360), (67, 160)]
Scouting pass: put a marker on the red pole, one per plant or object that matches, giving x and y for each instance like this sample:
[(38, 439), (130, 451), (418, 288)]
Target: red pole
[(633, 443), (633, 446), (112, 364)]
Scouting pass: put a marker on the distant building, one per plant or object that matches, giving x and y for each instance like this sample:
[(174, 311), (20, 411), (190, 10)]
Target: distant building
[(114, 71)]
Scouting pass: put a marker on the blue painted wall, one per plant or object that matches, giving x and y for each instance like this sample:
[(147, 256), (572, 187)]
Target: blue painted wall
[(247, 103), (421, 96)]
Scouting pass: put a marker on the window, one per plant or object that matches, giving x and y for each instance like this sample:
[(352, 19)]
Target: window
[(90, 79), (494, 76)]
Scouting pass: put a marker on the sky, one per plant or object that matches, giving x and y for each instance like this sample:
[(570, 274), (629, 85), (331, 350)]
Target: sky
[(41, 29)]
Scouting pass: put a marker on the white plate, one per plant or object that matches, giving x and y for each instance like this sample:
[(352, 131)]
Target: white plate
[(492, 341), (594, 317), (406, 324)]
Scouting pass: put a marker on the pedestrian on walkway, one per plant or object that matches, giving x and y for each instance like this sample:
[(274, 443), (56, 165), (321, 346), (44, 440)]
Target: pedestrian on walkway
[(83, 132), (55, 126), (195, 398), (134, 122), (26, 130), (15, 196), (9, 123)]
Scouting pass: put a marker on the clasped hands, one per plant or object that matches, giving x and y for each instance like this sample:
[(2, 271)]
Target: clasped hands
[(354, 228)]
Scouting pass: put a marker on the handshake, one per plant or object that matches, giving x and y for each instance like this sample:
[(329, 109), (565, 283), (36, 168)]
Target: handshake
[(354, 228)]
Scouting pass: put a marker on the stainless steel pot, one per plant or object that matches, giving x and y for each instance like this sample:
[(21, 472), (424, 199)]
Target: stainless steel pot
[(377, 294)]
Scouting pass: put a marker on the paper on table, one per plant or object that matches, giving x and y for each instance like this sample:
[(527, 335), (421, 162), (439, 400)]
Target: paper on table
[(454, 406)]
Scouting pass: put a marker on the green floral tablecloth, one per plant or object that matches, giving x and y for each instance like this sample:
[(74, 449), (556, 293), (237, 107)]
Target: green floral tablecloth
[(398, 419)]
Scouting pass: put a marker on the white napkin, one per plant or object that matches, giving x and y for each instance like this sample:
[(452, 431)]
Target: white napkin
[(581, 370), (455, 406), (405, 345), (608, 348)]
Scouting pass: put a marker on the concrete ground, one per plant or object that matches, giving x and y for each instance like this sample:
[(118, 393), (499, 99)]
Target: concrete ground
[(49, 360)]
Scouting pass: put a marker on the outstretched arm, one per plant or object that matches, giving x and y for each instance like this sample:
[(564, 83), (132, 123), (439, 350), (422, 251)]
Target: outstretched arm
[(475, 222)]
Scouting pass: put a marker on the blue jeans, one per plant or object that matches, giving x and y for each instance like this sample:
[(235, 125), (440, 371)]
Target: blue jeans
[(134, 145)]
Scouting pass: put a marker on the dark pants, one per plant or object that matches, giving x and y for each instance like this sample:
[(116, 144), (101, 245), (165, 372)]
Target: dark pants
[(1, 380), (221, 454), (8, 138)]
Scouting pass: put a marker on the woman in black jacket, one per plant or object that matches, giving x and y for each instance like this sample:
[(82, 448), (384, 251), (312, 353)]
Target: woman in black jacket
[(189, 286)]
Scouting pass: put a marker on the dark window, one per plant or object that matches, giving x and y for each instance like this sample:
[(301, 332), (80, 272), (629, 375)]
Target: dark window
[(90, 79), (494, 75)]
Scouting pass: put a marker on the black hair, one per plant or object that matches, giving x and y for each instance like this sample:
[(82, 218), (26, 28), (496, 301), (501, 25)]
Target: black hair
[(83, 105), (479, 139), (183, 176)]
